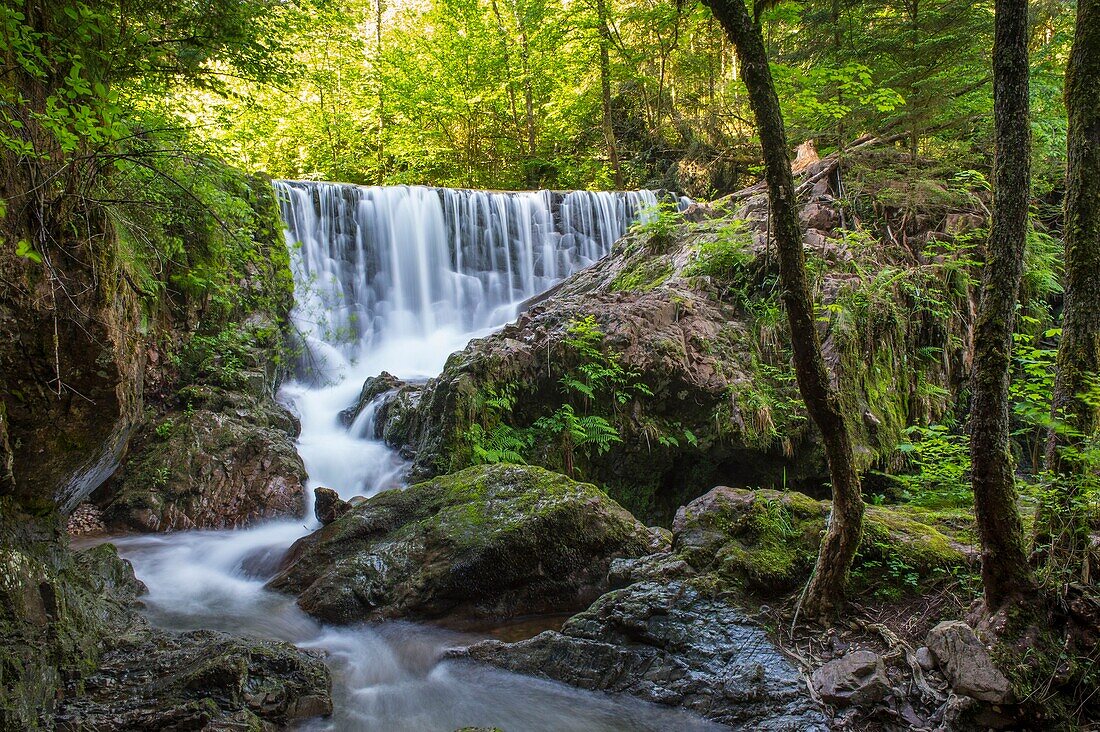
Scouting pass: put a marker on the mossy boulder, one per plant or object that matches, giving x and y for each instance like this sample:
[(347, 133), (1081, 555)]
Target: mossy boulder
[(766, 541), (199, 680), (227, 460), (488, 542), (57, 611)]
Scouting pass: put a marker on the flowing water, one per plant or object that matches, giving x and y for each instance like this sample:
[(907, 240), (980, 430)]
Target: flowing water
[(394, 279)]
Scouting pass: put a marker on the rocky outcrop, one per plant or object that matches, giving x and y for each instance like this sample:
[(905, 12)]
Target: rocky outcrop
[(669, 644), (198, 680), (688, 310), (488, 542), (226, 460), (387, 410), (77, 655)]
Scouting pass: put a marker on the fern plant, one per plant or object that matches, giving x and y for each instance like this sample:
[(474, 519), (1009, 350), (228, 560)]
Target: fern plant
[(585, 432)]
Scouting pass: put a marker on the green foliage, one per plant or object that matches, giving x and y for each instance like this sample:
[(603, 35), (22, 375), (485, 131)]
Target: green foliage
[(726, 257), (1031, 387), (658, 224), (496, 441), (939, 464), (502, 444), (584, 432), (645, 275), (594, 389), (164, 429)]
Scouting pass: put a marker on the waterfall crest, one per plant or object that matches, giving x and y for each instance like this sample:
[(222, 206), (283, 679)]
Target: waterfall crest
[(397, 274)]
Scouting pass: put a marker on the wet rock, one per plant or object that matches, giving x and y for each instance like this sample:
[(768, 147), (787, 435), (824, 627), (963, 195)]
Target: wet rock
[(855, 679), (966, 663), (78, 655), (373, 388), (663, 567), (668, 644), (328, 506), (493, 541), (198, 680), (391, 405)]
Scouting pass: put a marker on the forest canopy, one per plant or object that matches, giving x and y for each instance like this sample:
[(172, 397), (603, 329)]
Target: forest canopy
[(508, 93)]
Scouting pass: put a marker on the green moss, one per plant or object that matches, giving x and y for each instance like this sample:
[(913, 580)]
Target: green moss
[(645, 275), (766, 542), (57, 609)]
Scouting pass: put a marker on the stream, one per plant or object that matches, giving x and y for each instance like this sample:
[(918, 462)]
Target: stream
[(394, 279)]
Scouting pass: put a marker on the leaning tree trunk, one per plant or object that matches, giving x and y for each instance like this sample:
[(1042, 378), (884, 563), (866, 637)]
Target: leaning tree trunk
[(826, 589), (1063, 525), (1006, 575)]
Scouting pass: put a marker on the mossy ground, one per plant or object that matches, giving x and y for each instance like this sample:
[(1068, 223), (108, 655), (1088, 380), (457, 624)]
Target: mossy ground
[(765, 542)]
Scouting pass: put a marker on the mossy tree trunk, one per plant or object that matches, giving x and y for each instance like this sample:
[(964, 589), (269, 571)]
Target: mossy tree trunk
[(1006, 575), (1063, 525), (838, 548)]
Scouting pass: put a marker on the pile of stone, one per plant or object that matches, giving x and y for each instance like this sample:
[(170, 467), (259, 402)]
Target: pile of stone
[(86, 520)]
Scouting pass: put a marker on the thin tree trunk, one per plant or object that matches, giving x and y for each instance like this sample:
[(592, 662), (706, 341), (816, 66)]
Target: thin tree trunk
[(1006, 575), (511, 87), (380, 141), (605, 86), (1064, 524), (838, 548)]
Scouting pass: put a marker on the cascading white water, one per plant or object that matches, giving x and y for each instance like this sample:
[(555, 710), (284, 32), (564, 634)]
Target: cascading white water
[(398, 277), (394, 279)]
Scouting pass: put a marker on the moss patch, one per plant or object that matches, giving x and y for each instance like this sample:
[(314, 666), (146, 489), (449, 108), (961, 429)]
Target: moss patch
[(645, 275), (766, 541)]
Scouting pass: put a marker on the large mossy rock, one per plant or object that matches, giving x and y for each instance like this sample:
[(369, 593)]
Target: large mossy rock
[(690, 310), (76, 654), (226, 461), (669, 644), (766, 542), (488, 542), (213, 449)]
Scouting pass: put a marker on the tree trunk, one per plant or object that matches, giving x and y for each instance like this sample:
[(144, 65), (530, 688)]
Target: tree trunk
[(1006, 575), (605, 86), (380, 141), (838, 548), (510, 86), (1064, 524)]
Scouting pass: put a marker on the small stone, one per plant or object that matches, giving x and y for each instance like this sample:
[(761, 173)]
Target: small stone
[(328, 506), (966, 663), (856, 679), (925, 659)]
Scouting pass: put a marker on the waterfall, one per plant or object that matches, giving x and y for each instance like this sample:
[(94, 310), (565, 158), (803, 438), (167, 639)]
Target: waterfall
[(398, 275), (394, 279)]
